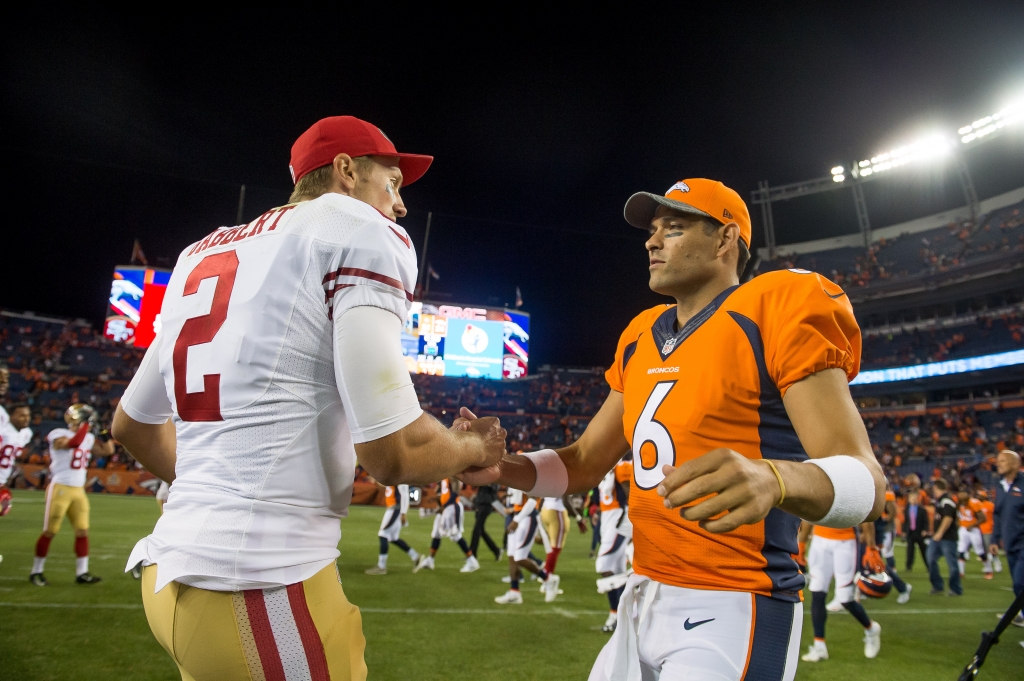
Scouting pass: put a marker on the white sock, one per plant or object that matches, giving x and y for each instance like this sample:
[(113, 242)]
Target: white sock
[(37, 564), (382, 561), (960, 564), (414, 555), (81, 566)]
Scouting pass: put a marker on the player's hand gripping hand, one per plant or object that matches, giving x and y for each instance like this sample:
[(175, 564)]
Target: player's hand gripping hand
[(872, 559), (489, 472), (725, 482)]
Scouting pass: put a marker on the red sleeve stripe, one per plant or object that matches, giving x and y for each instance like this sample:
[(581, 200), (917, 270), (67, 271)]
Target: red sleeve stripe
[(367, 274)]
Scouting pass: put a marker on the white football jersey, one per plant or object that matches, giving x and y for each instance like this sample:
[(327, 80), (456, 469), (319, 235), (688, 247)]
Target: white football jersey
[(245, 365), (67, 466), (12, 442), (5, 418)]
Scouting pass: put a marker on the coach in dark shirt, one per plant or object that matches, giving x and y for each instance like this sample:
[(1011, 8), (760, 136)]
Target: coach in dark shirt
[(943, 542), (484, 503), (916, 522), (1008, 528)]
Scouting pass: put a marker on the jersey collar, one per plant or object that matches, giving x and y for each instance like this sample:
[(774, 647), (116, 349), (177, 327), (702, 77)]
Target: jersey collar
[(667, 339)]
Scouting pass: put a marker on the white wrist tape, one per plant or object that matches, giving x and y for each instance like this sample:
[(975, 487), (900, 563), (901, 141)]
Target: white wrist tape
[(552, 476), (854, 491)]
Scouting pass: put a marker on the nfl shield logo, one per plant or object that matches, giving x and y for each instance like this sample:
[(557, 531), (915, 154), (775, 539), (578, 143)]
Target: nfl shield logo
[(667, 347)]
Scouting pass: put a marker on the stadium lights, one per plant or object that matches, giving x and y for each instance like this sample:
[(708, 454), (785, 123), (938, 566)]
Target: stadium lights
[(933, 146), (837, 174), (983, 127)]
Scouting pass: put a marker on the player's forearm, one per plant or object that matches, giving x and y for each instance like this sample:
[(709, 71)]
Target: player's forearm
[(810, 492), (519, 472), (420, 453), (154, 446)]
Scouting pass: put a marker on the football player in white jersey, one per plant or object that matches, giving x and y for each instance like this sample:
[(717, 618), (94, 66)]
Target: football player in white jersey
[(396, 502), (70, 451), (14, 435), (279, 361)]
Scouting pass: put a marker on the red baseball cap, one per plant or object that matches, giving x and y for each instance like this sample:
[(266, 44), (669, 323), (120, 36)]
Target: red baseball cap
[(335, 135)]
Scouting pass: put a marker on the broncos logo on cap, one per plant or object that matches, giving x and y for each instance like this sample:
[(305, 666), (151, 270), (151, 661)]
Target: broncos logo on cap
[(681, 186)]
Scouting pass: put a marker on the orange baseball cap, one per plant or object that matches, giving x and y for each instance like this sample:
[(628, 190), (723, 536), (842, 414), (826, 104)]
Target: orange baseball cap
[(696, 196)]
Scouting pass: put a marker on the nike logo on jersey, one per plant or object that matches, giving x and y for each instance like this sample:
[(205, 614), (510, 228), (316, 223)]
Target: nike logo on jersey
[(838, 295), (405, 239), (693, 625)]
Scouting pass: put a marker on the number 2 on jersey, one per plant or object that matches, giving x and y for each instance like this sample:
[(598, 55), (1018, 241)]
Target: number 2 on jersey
[(647, 429), (205, 405)]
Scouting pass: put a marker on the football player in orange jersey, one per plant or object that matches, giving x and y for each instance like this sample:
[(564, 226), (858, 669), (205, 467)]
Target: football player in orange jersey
[(396, 503), (722, 397), (616, 533), (521, 531), (450, 522), (970, 515), (987, 526), (833, 553)]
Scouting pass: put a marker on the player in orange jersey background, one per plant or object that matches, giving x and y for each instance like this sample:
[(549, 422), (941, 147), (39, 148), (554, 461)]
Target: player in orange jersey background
[(722, 398), (989, 507)]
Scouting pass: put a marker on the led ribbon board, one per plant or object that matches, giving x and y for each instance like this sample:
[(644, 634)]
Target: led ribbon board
[(949, 367)]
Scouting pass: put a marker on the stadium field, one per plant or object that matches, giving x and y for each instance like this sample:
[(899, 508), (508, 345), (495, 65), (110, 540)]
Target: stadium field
[(432, 625)]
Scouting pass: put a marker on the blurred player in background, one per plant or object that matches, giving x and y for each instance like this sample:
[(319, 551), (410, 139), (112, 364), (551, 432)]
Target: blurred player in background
[(833, 554), (616, 533), (70, 451), (14, 435), (721, 398), (279, 362), (450, 522), (396, 509), (970, 516), (522, 530), (554, 519), (987, 525), (885, 539)]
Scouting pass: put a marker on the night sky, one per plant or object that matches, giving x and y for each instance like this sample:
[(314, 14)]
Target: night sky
[(542, 125)]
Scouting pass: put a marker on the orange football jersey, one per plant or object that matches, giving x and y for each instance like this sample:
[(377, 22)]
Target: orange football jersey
[(966, 513), (989, 507), (719, 382), (613, 495), (834, 533), (390, 498), (446, 496)]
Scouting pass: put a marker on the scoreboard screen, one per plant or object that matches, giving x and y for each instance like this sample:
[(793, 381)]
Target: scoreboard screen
[(476, 342), (440, 340), (133, 312)]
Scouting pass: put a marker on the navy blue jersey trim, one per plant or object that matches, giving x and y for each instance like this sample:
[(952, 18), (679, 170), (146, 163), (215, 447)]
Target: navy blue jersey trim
[(667, 339), (627, 354), (769, 649), (396, 514), (778, 441)]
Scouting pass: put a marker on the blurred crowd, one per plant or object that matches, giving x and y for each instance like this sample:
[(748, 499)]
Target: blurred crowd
[(54, 364), (936, 250), (987, 333)]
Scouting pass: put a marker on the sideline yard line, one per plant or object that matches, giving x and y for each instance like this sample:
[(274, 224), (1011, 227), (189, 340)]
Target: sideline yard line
[(481, 611)]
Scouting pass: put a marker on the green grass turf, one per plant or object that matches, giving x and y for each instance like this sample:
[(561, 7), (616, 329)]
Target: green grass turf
[(432, 625)]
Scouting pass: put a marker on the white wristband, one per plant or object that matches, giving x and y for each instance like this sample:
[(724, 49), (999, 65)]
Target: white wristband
[(854, 491), (552, 476)]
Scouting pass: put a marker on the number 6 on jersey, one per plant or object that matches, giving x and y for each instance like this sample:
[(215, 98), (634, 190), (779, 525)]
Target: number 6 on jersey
[(650, 430)]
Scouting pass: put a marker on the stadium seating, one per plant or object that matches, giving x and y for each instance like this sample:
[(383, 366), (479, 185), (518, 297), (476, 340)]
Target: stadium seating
[(935, 250), (53, 365)]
